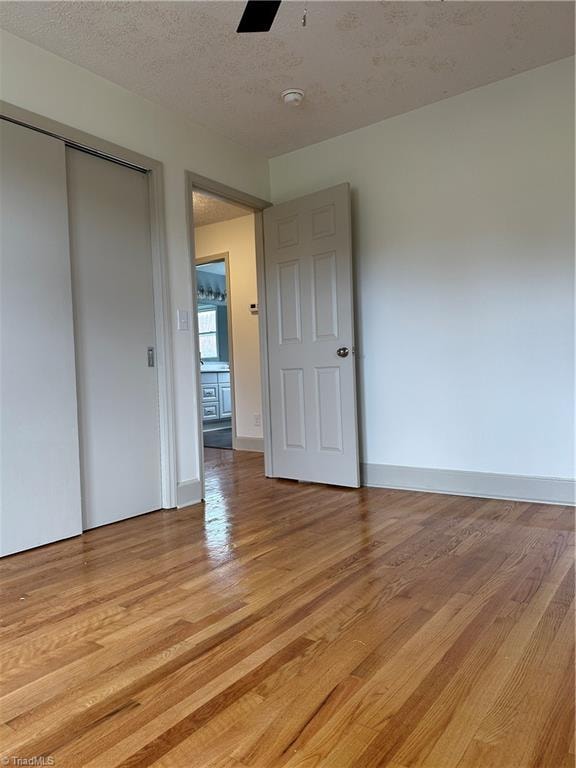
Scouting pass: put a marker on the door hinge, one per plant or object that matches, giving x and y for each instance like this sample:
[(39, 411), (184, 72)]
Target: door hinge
[(151, 357)]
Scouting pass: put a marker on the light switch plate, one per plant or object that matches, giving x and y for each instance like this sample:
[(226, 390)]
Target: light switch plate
[(183, 318)]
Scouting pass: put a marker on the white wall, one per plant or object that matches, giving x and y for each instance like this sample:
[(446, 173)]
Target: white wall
[(464, 248), (41, 82), (237, 237)]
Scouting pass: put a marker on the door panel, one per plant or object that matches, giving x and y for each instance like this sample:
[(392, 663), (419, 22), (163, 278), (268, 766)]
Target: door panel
[(324, 297), (289, 302), (40, 474), (225, 400), (293, 412), (114, 326), (328, 408), (308, 264)]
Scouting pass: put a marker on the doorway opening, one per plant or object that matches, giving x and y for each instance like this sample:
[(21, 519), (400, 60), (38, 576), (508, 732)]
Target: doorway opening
[(214, 334), (301, 268), (227, 323)]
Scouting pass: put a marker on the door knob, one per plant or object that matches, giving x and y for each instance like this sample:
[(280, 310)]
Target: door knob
[(342, 351)]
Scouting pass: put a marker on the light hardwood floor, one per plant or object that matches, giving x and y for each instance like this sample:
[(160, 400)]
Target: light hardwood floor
[(296, 625)]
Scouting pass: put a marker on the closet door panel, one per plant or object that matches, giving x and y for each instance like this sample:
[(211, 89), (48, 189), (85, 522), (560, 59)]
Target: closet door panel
[(113, 292), (39, 464)]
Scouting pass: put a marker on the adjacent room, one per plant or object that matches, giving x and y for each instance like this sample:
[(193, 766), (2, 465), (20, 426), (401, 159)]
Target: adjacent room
[(228, 333), (287, 384)]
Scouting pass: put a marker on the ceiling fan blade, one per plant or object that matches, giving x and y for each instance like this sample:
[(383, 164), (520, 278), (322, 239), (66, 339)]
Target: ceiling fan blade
[(258, 15)]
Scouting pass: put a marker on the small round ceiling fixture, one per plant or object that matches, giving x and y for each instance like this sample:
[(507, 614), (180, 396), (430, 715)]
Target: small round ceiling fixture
[(292, 97)]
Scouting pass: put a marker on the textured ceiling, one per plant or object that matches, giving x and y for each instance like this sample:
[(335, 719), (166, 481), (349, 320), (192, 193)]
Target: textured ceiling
[(359, 62), (208, 209)]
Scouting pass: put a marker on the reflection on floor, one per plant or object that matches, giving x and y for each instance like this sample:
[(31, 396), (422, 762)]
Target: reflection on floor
[(284, 624), (218, 438)]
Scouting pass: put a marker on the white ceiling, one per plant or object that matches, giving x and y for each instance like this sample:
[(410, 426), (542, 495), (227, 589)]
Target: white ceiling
[(209, 209), (359, 62)]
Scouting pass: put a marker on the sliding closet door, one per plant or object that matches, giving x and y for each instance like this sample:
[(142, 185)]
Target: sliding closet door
[(115, 339), (40, 480)]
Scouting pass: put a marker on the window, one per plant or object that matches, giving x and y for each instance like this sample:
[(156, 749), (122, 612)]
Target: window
[(207, 334)]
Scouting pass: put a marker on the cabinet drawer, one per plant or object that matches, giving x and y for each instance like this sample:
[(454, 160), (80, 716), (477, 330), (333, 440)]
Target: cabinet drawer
[(208, 378), (224, 378), (210, 412), (209, 392)]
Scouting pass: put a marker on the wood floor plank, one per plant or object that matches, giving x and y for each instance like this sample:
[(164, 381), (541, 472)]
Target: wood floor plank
[(286, 625)]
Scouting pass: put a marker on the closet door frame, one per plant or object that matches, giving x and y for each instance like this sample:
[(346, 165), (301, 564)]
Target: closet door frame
[(162, 310)]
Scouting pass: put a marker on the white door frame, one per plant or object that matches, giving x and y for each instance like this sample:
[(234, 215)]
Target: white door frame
[(162, 311), (255, 205), (225, 257)]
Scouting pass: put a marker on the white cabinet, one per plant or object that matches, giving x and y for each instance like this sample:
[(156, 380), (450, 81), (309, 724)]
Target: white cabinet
[(216, 395)]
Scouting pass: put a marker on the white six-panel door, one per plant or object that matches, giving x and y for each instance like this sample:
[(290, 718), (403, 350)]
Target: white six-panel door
[(310, 324), (114, 326)]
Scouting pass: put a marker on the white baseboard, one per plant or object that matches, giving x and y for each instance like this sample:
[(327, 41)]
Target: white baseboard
[(249, 444), (546, 490), (188, 493)]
